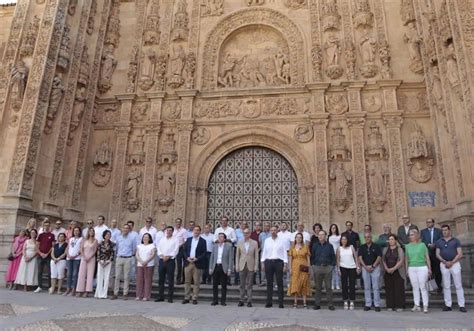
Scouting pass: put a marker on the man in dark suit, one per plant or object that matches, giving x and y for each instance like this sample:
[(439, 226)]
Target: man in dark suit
[(430, 236), (220, 267), (195, 249), (404, 229)]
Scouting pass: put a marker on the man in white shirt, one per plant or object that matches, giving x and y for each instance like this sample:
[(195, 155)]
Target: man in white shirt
[(156, 241), (167, 251), (274, 263), (100, 228), (89, 225), (227, 230), (208, 236), (181, 235), (148, 228), (58, 229), (114, 230), (286, 236), (300, 229)]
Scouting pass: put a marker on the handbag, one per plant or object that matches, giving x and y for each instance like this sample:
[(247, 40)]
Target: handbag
[(304, 268), (10, 257), (432, 286)]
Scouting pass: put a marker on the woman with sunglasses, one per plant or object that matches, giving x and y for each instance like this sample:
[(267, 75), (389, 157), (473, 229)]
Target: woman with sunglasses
[(73, 260)]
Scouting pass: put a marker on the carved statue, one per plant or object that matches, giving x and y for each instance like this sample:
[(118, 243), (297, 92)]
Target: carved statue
[(452, 71), (64, 50), (78, 109), (102, 165), (436, 89), (168, 154), (332, 49), (147, 69), (132, 188), (91, 19), (55, 97), (368, 49), (212, 7), (420, 162), (181, 21), (229, 75), (255, 2), (137, 154), (413, 40), (19, 77), (417, 146), (338, 150), (151, 34), (375, 146), (84, 69), (342, 182), (166, 186), (378, 185), (282, 67), (176, 66), (108, 65)]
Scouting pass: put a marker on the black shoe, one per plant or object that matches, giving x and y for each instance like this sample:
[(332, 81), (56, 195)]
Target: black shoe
[(214, 303), (195, 302), (439, 290), (185, 301), (446, 308), (249, 304), (332, 308), (281, 306), (170, 300), (159, 300), (377, 309), (316, 307), (268, 305), (241, 304), (366, 308), (223, 304), (463, 310)]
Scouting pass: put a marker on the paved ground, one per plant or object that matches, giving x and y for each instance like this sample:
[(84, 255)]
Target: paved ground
[(29, 311)]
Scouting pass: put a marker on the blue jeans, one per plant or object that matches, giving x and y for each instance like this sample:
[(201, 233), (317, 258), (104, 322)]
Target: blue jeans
[(371, 283), (336, 279), (72, 271)]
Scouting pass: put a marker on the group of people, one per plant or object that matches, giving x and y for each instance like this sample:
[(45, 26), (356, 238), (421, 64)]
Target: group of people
[(98, 255)]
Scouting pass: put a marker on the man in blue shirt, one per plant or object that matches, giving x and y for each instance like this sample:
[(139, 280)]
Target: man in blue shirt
[(125, 248), (323, 261), (430, 236)]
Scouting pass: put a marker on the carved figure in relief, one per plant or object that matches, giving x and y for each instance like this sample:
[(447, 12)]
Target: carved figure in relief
[(336, 103), (166, 185), (78, 108), (437, 90), (84, 69), (151, 34), (134, 180), (64, 49), (417, 146), (71, 10), (189, 70), (147, 69), (251, 109), (363, 17), (407, 11), (330, 15), (200, 136), (375, 146), (255, 2), (368, 49), (176, 66), (19, 77), (372, 103), (342, 179), (452, 70), (57, 92), (137, 153), (108, 65), (338, 150), (212, 7), (172, 112), (317, 58), (139, 112), (168, 154), (332, 49), (413, 40), (229, 74), (91, 19), (29, 40), (181, 21), (303, 133), (295, 4), (378, 176), (102, 165), (420, 162)]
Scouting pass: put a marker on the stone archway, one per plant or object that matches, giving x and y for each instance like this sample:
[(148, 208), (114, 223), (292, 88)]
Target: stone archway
[(253, 16), (253, 184)]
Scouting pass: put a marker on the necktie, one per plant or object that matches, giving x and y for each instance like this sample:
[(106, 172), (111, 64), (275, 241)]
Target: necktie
[(431, 234)]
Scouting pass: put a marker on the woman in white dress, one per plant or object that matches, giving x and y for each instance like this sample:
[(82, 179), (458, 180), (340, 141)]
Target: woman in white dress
[(27, 273), (334, 240)]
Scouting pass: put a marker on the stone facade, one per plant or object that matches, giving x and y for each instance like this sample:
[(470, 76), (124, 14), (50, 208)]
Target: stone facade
[(129, 108)]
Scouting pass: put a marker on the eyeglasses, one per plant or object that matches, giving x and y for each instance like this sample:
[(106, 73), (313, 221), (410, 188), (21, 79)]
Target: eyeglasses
[(89, 223), (148, 221)]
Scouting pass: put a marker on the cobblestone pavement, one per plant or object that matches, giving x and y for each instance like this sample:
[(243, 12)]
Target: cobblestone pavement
[(38, 312)]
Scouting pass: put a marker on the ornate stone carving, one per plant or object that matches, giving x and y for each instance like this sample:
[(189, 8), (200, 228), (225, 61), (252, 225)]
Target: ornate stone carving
[(108, 65), (132, 70), (102, 165), (200, 136), (57, 92), (84, 69), (160, 72), (151, 34), (317, 60), (132, 189), (29, 40), (110, 114), (71, 10), (385, 57), (139, 112), (407, 11), (180, 29), (212, 7), (372, 103), (280, 106), (413, 41), (168, 152), (189, 70), (350, 57), (336, 103), (77, 110), (332, 49), (368, 51), (295, 4), (19, 77), (172, 111), (437, 89), (113, 28), (363, 17), (166, 186), (339, 150), (343, 181), (303, 133), (217, 110), (64, 49), (375, 146), (137, 153), (147, 69), (176, 67), (91, 18), (420, 162), (251, 108), (378, 178), (452, 72), (330, 17), (255, 2)]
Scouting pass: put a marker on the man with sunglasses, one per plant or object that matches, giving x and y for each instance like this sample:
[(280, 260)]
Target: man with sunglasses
[(148, 228), (89, 225), (100, 228), (58, 229), (449, 253)]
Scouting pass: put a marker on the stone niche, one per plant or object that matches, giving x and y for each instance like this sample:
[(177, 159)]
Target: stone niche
[(254, 56)]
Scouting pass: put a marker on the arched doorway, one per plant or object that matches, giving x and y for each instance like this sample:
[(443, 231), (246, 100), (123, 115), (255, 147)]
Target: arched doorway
[(253, 184)]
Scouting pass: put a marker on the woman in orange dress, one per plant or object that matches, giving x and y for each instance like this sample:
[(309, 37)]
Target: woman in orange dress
[(300, 281)]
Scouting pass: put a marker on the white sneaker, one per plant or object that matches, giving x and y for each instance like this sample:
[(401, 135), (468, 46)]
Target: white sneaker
[(351, 306), (346, 306), (416, 309), (425, 309), (338, 288), (39, 289)]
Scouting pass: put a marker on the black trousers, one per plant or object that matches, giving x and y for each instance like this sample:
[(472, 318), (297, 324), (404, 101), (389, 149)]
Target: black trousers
[(348, 282), (180, 262), (274, 268), (394, 290), (166, 269), (219, 277), (42, 263), (205, 274), (435, 268)]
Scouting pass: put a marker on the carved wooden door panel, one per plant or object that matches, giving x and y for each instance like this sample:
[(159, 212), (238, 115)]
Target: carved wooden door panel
[(253, 184)]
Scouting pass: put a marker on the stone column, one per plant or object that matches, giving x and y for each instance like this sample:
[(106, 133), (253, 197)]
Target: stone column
[(184, 146), (120, 155)]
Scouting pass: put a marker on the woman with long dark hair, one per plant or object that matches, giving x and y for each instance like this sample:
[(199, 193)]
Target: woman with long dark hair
[(299, 260), (73, 260), (105, 257), (15, 256), (145, 255), (335, 239), (348, 268), (394, 276)]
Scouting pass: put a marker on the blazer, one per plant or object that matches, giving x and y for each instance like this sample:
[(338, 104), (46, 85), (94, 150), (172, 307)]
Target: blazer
[(402, 236), (201, 251), (426, 237), (227, 258), (249, 258)]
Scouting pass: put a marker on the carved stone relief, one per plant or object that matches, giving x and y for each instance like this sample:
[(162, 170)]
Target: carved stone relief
[(251, 108), (84, 69), (139, 112), (77, 110), (419, 159), (372, 103), (137, 150), (413, 41), (71, 10), (295, 4), (29, 40), (172, 111), (189, 70), (64, 49), (413, 102), (180, 29), (330, 17), (166, 186), (110, 114), (132, 70), (255, 2), (378, 180), (363, 17), (151, 34), (332, 52), (336, 103), (18, 79), (303, 133), (133, 189), (56, 95), (176, 67), (368, 50), (102, 165), (342, 183), (338, 148), (212, 7), (91, 18), (108, 65), (200, 136), (452, 71), (168, 151), (147, 69)]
